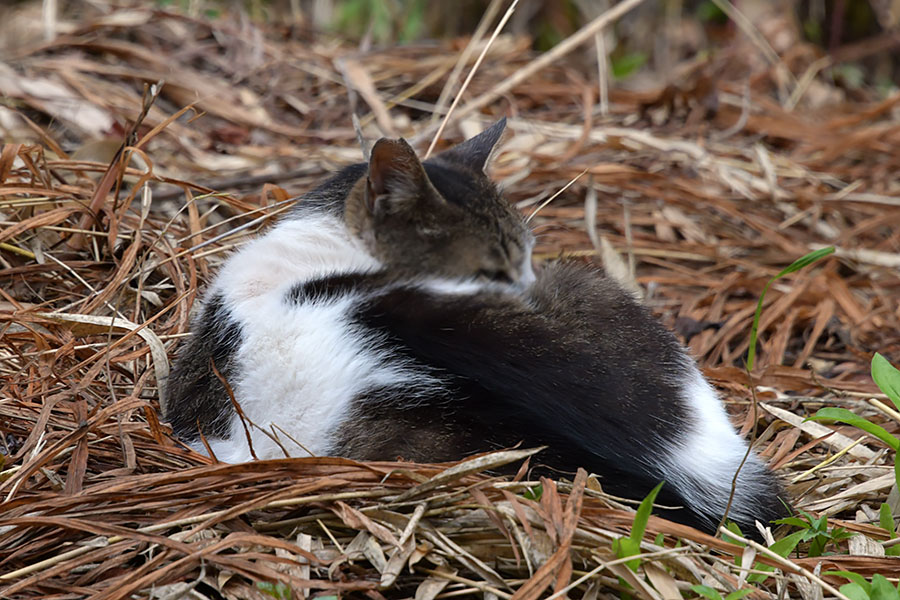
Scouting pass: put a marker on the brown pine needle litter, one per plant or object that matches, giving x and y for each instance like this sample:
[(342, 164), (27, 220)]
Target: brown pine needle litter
[(140, 146)]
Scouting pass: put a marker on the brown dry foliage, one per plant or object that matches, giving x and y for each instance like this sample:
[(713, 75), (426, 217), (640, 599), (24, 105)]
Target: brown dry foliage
[(710, 187)]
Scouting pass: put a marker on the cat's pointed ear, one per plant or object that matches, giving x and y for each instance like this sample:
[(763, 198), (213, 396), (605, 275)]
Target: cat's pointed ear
[(475, 153), (395, 174)]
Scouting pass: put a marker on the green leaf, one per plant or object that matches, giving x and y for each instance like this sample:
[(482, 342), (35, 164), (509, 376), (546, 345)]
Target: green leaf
[(631, 546), (643, 513), (533, 493), (854, 577), (854, 591), (886, 519), (798, 264), (795, 521), (782, 548), (820, 524), (707, 592), (813, 31), (817, 547), (627, 64), (733, 527), (850, 418), (887, 378), (805, 261), (738, 594), (839, 533), (279, 590), (414, 22), (786, 545), (708, 11), (897, 469), (882, 589), (625, 547), (851, 74)]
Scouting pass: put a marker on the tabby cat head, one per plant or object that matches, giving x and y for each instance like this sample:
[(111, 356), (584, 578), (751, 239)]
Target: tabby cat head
[(443, 217)]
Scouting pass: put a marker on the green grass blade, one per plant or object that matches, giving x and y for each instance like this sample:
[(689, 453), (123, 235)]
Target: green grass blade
[(733, 527), (887, 378), (782, 548), (795, 521), (897, 469), (738, 594), (882, 589), (854, 577), (706, 592), (798, 264), (631, 545), (805, 261), (643, 514), (854, 591), (850, 418)]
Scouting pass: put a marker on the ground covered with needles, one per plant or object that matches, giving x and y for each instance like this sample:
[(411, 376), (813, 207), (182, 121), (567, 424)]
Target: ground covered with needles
[(705, 188)]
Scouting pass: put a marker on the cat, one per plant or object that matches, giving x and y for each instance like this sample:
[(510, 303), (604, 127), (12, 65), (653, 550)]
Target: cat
[(395, 313)]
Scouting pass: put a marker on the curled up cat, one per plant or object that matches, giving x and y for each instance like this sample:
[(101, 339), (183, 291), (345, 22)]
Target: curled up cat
[(395, 313)]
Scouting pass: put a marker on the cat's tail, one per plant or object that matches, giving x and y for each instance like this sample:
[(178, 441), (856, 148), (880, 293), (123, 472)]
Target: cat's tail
[(704, 461)]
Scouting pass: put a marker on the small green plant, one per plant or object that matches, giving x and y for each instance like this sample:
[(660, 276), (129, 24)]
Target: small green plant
[(534, 493), (860, 589), (803, 261), (708, 12), (631, 545), (787, 544), (813, 31), (887, 378), (279, 590), (886, 521), (713, 594), (782, 548), (816, 532), (626, 64), (386, 21)]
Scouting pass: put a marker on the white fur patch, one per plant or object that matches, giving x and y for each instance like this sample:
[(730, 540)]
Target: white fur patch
[(293, 252), (456, 287), (527, 276), (703, 463), (301, 364)]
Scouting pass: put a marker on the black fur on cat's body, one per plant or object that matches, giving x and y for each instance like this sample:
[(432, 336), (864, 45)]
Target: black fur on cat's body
[(529, 373), (570, 361)]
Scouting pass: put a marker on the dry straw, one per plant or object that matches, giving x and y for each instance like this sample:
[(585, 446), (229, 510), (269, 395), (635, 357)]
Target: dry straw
[(105, 246)]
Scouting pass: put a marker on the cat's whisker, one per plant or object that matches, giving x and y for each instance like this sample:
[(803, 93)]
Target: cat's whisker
[(553, 197)]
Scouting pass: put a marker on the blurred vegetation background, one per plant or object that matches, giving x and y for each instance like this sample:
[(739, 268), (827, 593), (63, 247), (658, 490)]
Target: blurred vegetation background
[(861, 37)]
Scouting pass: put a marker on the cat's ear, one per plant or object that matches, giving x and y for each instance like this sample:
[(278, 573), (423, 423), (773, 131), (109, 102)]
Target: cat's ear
[(395, 177), (475, 153)]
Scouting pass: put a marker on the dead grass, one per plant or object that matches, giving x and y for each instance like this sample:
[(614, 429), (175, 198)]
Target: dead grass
[(709, 187)]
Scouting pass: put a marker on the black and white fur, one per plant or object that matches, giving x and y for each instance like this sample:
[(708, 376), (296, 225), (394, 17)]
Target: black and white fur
[(333, 353)]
